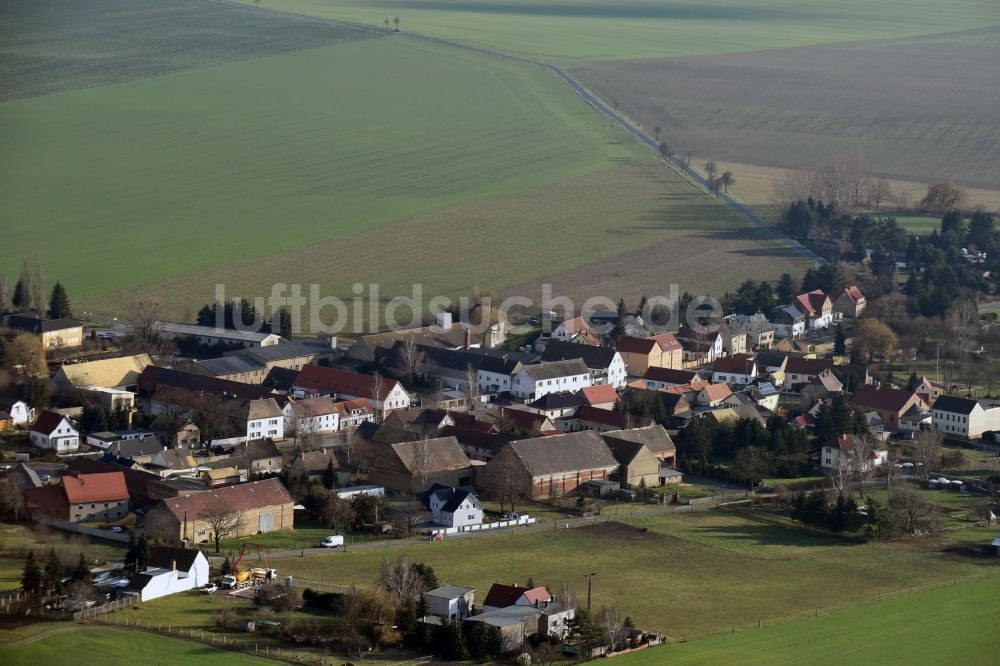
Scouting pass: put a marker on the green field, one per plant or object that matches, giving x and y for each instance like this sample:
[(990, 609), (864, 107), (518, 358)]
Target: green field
[(110, 646), (139, 181), (16, 540), (690, 575), (575, 31), (952, 625)]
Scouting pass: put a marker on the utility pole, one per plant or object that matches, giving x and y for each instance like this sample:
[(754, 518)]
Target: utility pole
[(589, 578)]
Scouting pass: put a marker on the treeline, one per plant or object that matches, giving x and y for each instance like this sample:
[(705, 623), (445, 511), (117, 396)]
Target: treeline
[(244, 315), (29, 294)]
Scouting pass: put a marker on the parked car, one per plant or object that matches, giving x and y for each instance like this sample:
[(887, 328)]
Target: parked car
[(210, 588), (44, 477), (335, 541), (115, 529)]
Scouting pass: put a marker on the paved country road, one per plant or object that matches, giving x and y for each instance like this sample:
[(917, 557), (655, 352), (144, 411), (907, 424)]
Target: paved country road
[(743, 211)]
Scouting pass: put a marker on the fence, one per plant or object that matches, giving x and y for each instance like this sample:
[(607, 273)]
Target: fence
[(97, 611), (718, 500), (523, 520), (80, 529)]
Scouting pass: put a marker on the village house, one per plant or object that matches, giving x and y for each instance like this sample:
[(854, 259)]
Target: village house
[(169, 571), (257, 419), (352, 413), (110, 382), (453, 507), (657, 378), (889, 403), (821, 386), (546, 467), (212, 335), (172, 462), (82, 498), (759, 331), (451, 601), (734, 340), (54, 431), (231, 368), (601, 420), (602, 396), (20, 413), (534, 381), (714, 395), (605, 364), (643, 354), (53, 333), (802, 370), (654, 437), (849, 301), (700, 348), (289, 355), (576, 330), (411, 467), (928, 390), (817, 307), (556, 405), (845, 453), (311, 416), (638, 466), (137, 449), (524, 422), (445, 334), (788, 321), (310, 466), (262, 455), (161, 389), (521, 612), (964, 417), (738, 370), (764, 395), (261, 506), (314, 380)]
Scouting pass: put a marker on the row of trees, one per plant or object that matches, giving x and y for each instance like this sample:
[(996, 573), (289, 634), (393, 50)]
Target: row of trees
[(244, 314), (29, 293)]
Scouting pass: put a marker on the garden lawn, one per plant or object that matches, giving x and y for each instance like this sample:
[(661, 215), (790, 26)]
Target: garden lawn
[(951, 625)]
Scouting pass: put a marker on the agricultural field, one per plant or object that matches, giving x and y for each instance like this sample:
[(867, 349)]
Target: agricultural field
[(575, 31), (627, 222), (52, 45), (737, 569), (42, 643), (919, 108), (951, 625)]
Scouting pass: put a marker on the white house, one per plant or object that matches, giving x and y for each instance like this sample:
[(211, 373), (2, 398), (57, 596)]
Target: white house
[(964, 417), (605, 364), (54, 431), (788, 321), (385, 394), (263, 418), (20, 413), (534, 381), (312, 415), (169, 571), (451, 601), (576, 329), (845, 453), (817, 306), (453, 507), (738, 370)]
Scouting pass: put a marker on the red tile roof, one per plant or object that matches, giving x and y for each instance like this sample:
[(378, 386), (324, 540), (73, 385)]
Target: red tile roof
[(717, 392), (608, 417), (632, 345), (102, 487), (318, 379), (670, 375), (242, 497), (852, 293), (811, 303), (502, 596), (736, 364), (602, 394), (884, 399), (796, 365)]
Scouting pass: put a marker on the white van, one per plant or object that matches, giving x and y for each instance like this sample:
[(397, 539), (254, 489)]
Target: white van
[(332, 542)]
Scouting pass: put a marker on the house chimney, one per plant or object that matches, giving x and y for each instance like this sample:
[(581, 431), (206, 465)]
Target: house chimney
[(173, 565), (468, 339), (444, 319)]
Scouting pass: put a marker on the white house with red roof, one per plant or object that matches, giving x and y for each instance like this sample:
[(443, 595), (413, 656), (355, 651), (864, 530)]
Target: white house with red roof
[(576, 330), (505, 596), (315, 380), (54, 431), (817, 306), (602, 396)]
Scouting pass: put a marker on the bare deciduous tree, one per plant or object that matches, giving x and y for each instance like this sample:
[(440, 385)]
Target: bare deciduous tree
[(4, 294), (710, 170), (472, 392), (377, 397), (503, 480), (38, 288), (223, 520), (146, 336), (411, 358), (926, 450), (877, 191), (612, 622), (943, 197), (401, 579)]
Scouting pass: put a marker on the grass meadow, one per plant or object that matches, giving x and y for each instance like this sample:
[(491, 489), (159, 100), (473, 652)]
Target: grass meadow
[(951, 625), (689, 575), (577, 31), (111, 646)]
